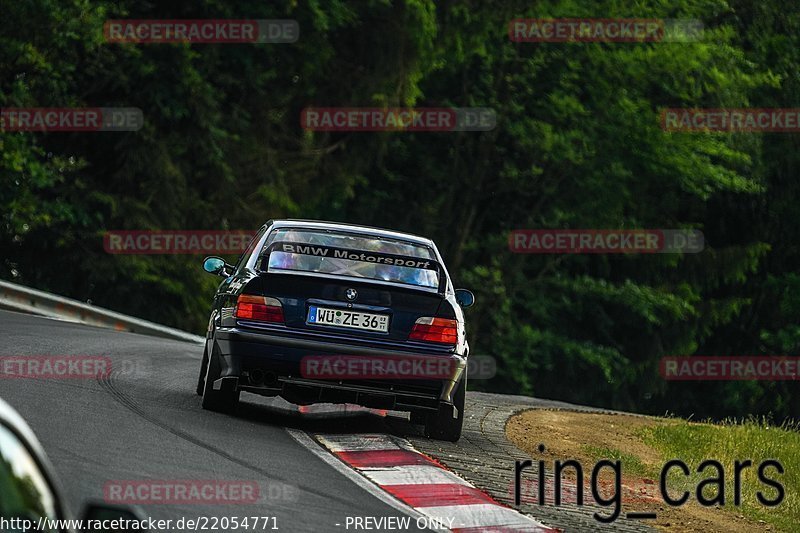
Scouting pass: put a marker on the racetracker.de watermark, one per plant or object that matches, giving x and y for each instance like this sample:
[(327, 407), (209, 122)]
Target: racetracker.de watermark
[(207, 31), (730, 368), (604, 30), (71, 119), (181, 491), (605, 241), (55, 366), (398, 119), (177, 242), (719, 120), (393, 367)]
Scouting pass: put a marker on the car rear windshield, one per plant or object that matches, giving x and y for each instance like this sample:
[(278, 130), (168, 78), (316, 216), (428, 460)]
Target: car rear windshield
[(350, 255)]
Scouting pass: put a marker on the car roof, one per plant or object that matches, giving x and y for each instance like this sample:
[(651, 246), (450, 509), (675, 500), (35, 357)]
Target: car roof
[(353, 228)]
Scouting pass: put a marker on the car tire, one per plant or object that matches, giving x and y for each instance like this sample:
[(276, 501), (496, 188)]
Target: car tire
[(217, 400), (441, 425), (201, 380)]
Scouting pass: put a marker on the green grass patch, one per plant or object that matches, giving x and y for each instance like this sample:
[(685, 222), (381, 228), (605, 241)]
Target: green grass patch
[(755, 440), (630, 463)]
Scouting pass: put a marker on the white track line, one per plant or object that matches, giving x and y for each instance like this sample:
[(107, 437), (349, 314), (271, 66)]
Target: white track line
[(412, 475), (354, 443)]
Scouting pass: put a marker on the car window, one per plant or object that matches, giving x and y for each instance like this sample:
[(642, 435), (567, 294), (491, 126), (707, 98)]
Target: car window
[(351, 255), (249, 250), (24, 491)]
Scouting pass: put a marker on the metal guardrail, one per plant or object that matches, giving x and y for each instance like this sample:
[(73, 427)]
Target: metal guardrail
[(24, 299)]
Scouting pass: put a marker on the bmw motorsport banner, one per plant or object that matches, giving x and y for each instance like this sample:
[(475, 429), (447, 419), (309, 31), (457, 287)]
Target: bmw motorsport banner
[(332, 252)]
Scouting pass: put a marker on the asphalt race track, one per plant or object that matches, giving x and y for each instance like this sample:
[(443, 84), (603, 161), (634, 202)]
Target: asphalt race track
[(144, 422)]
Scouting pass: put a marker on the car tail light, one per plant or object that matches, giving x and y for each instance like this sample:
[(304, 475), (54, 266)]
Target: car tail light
[(430, 329), (262, 308)]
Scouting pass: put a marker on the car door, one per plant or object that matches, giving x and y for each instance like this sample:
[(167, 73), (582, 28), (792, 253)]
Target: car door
[(228, 290)]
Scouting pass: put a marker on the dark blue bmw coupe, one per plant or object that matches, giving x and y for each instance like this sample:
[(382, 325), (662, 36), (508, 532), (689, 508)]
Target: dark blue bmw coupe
[(337, 313)]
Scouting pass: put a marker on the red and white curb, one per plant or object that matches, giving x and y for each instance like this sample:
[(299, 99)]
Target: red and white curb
[(421, 483)]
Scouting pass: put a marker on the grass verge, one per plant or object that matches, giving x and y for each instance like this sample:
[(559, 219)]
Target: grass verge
[(753, 440), (643, 445)]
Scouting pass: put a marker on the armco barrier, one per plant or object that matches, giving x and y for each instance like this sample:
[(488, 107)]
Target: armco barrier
[(24, 299)]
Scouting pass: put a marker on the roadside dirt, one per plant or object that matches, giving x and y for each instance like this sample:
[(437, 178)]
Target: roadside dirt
[(580, 436)]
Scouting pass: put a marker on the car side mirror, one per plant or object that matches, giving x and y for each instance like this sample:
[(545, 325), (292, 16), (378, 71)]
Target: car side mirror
[(216, 265), (114, 515), (464, 297)]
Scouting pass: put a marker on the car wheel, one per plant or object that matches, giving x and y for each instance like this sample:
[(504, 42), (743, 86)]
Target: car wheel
[(217, 400), (201, 380), (441, 425)]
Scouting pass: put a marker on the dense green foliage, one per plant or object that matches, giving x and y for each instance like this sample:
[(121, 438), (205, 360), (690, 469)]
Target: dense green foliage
[(578, 145)]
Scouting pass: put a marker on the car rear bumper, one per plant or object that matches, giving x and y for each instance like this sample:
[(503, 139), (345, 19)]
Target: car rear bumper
[(270, 363)]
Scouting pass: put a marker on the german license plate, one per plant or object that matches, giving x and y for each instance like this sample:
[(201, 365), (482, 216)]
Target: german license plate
[(348, 319)]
